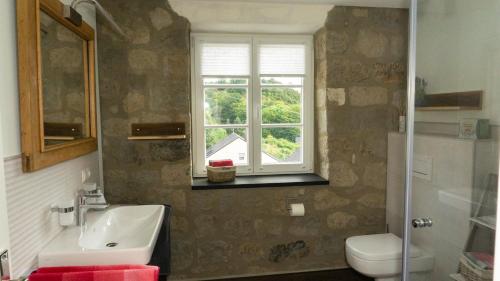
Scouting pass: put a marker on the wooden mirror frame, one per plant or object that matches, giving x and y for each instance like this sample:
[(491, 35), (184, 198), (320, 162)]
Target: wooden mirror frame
[(36, 155)]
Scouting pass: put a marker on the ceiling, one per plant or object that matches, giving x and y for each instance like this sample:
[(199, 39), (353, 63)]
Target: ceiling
[(265, 16)]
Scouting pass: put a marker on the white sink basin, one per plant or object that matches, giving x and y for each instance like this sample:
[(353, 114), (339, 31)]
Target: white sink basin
[(118, 235)]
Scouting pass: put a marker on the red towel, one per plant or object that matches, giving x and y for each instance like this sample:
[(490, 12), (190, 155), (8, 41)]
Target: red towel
[(97, 273), (220, 163)]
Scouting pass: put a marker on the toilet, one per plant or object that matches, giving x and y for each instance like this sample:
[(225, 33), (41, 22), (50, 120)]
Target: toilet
[(380, 256)]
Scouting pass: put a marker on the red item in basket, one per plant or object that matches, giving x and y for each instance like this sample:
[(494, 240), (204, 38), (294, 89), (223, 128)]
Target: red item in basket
[(220, 163)]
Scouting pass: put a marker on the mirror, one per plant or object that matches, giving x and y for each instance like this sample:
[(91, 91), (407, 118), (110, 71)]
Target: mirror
[(63, 83), (56, 85)]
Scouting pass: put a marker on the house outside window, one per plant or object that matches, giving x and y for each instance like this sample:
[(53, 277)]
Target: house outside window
[(253, 102)]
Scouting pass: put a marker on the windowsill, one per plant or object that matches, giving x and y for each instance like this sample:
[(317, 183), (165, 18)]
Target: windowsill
[(262, 181)]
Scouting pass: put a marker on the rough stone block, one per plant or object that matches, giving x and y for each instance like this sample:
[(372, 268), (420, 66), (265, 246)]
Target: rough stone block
[(169, 151), (141, 60), (341, 220), (364, 96), (373, 200), (160, 18), (342, 174), (325, 200), (336, 96), (375, 175), (205, 225), (371, 43), (134, 101), (115, 127), (67, 59)]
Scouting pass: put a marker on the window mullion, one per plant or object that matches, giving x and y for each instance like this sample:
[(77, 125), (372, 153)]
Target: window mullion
[(199, 116), (256, 131)]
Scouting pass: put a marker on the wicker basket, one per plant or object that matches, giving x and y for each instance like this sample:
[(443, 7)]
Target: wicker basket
[(221, 174), (471, 272)]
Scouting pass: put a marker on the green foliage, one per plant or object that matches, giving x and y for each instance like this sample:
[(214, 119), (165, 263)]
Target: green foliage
[(280, 105), (279, 148), (226, 106), (213, 136)]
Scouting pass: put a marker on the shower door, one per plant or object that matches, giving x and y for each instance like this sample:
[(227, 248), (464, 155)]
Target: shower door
[(452, 140)]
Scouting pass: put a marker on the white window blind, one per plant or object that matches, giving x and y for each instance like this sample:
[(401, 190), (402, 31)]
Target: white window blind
[(282, 59), (225, 59)]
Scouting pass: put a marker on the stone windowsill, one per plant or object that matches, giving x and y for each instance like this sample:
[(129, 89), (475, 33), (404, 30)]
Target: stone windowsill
[(262, 181)]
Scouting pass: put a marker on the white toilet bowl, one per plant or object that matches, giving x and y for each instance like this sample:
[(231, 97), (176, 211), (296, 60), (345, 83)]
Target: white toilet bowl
[(380, 256)]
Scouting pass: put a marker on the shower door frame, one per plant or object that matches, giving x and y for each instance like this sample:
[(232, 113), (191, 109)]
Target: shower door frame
[(410, 119)]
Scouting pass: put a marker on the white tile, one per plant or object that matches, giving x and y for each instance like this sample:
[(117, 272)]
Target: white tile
[(29, 197)]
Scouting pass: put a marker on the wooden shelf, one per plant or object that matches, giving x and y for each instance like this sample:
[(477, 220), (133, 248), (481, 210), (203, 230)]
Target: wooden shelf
[(176, 137), (59, 138), (472, 100), (158, 131)]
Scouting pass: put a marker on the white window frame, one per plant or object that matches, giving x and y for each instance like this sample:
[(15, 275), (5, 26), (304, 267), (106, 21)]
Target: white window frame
[(254, 167)]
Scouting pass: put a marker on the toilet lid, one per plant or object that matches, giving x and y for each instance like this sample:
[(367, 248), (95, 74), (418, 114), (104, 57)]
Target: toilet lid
[(378, 247)]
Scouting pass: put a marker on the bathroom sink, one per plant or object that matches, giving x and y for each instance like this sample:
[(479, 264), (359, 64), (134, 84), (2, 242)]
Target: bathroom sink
[(118, 235)]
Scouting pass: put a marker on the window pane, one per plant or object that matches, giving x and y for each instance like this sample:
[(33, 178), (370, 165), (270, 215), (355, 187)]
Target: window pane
[(295, 81), (225, 106), (281, 105), (225, 81), (225, 59), (282, 59), (226, 143), (281, 145)]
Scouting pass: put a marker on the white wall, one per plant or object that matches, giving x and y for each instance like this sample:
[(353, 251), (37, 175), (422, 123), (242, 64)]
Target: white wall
[(4, 224), (29, 198), (458, 49), (8, 78)]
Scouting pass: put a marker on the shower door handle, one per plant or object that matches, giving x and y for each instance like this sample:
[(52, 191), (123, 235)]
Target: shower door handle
[(421, 222)]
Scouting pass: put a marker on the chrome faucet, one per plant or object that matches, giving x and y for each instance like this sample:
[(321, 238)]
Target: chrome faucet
[(83, 204)]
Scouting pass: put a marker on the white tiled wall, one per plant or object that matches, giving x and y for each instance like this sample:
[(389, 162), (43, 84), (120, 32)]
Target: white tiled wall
[(29, 197), (446, 198)]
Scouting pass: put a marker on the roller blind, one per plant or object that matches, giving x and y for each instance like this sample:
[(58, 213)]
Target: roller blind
[(282, 59), (225, 59)]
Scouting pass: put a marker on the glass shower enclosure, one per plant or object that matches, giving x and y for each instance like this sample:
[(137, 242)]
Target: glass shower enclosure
[(444, 201)]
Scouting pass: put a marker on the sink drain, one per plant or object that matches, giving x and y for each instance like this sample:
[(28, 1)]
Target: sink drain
[(111, 244)]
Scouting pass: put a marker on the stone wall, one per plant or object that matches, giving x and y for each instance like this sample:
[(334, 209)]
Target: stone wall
[(62, 73), (360, 88), (144, 79), (218, 233)]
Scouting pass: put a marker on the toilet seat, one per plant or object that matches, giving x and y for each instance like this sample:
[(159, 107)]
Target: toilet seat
[(379, 247), (380, 256)]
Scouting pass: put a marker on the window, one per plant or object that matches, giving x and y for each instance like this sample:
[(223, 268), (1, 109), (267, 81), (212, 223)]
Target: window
[(253, 102)]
